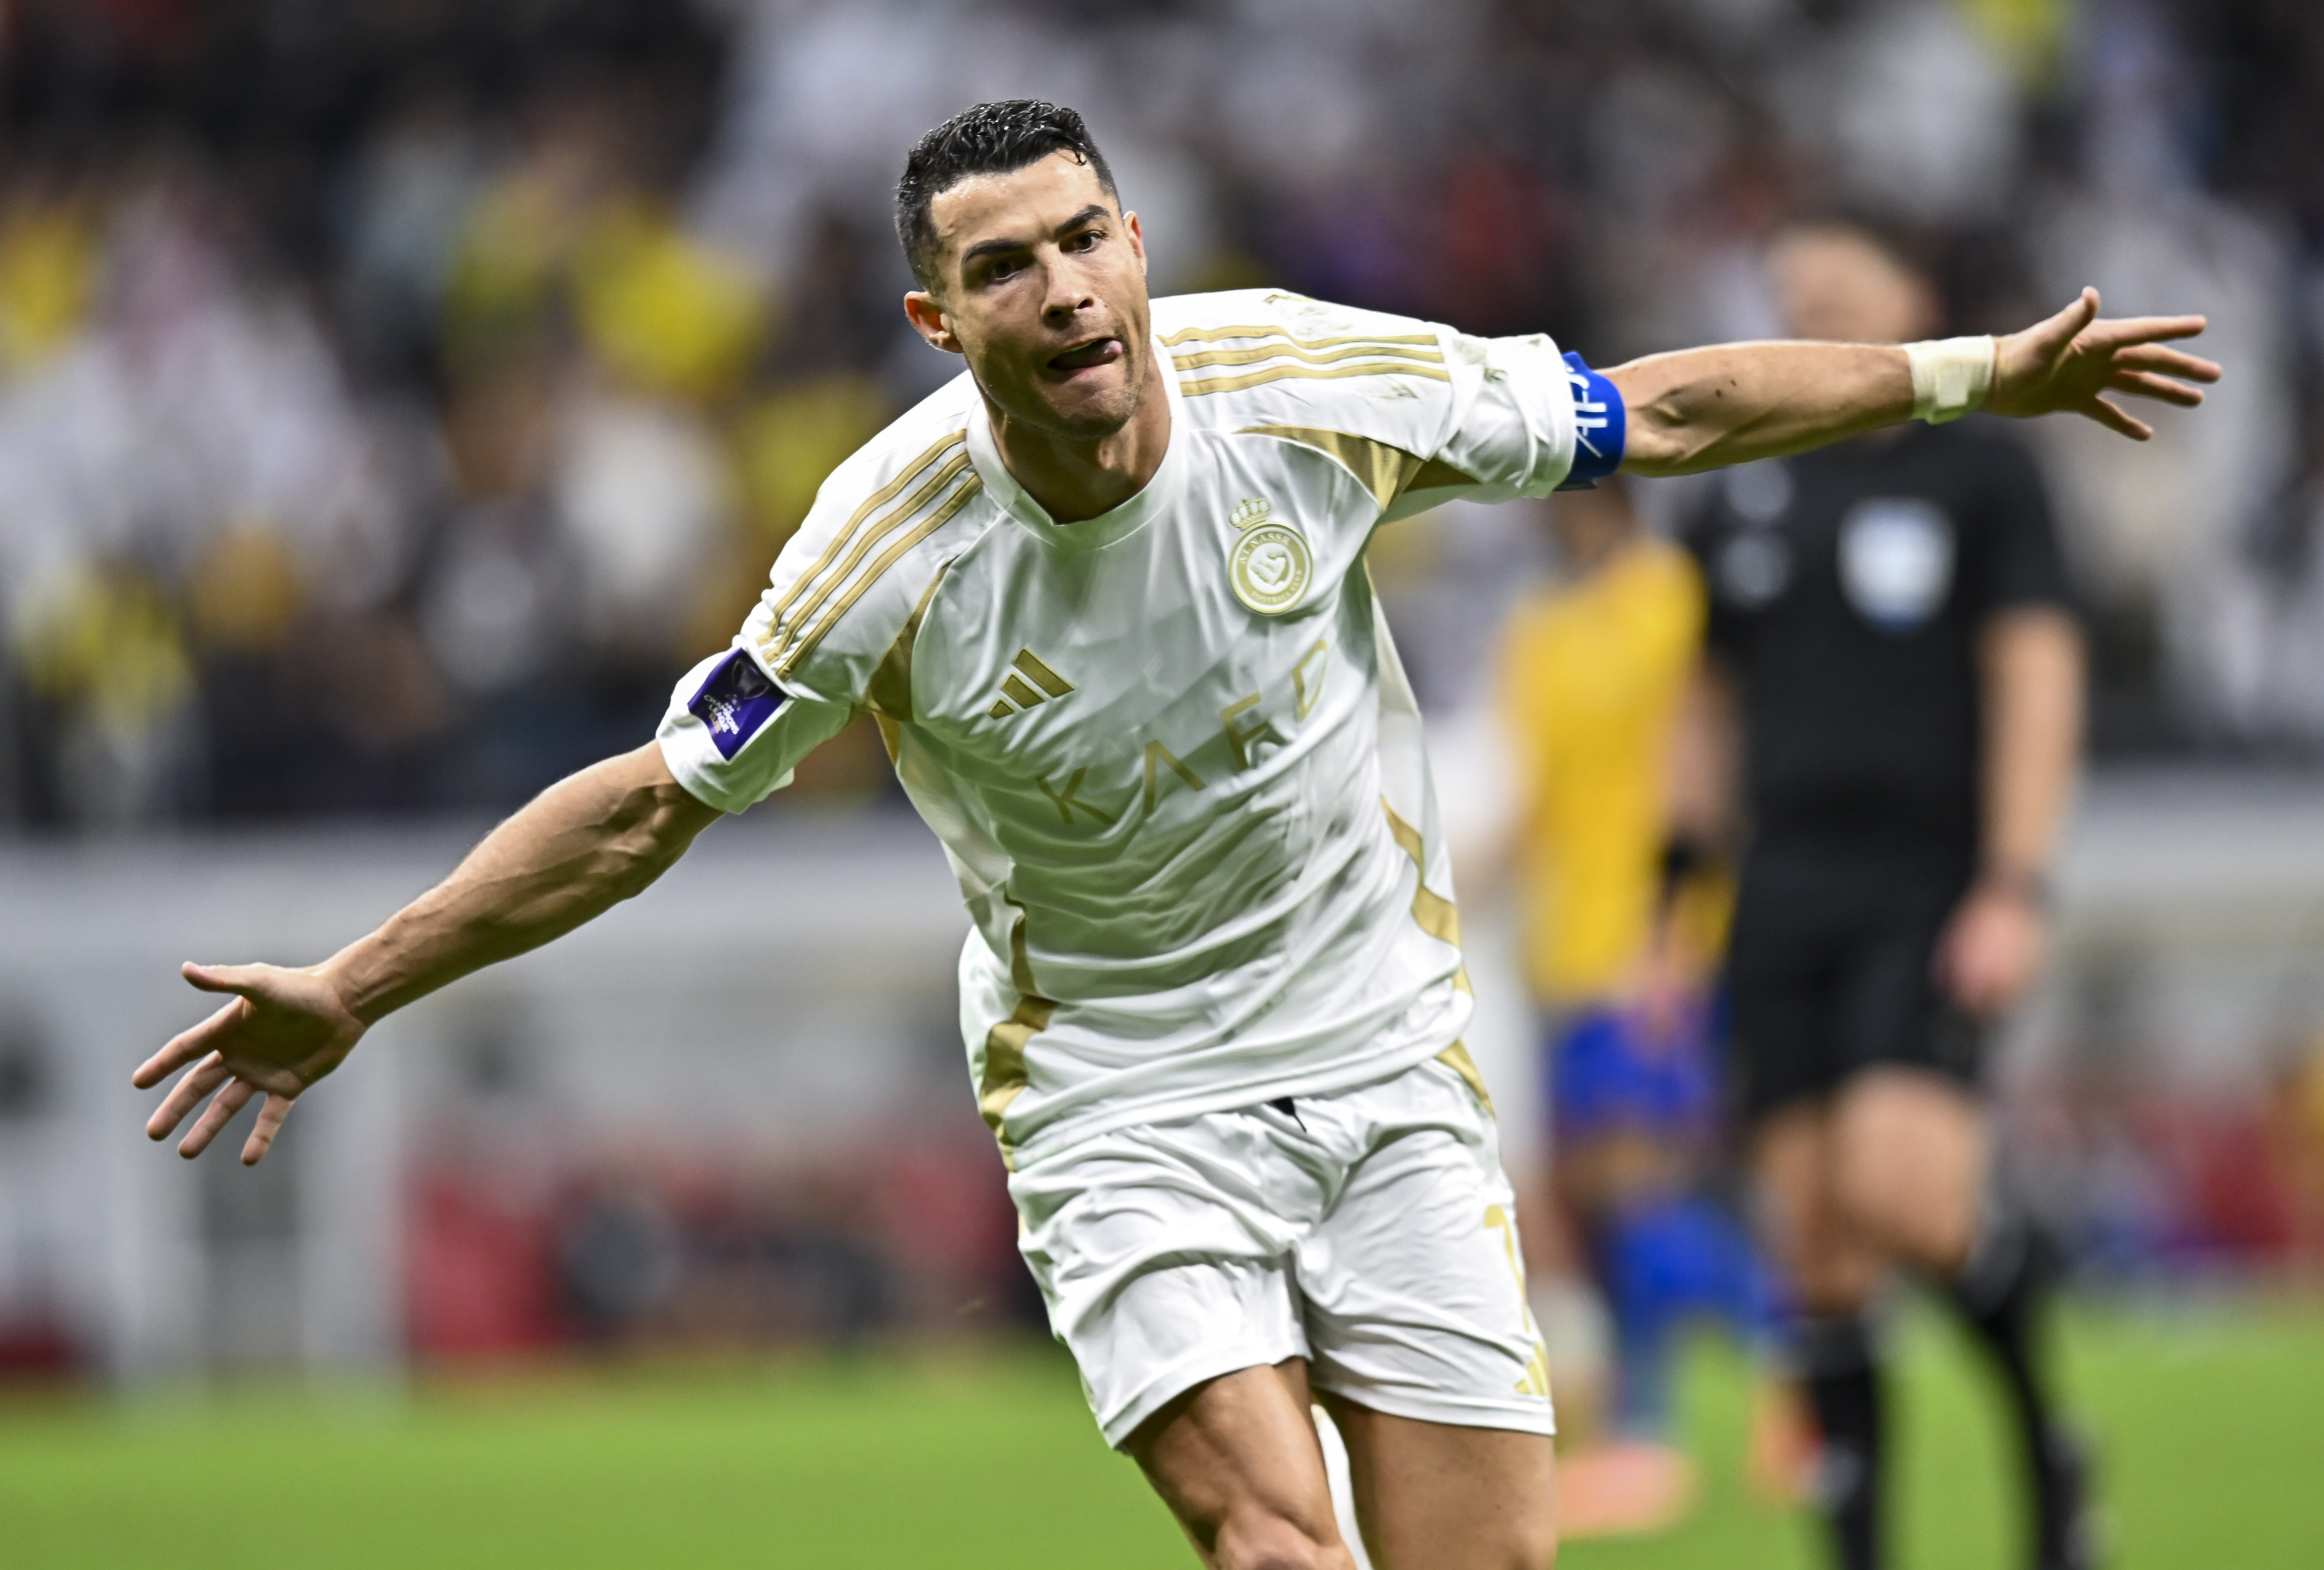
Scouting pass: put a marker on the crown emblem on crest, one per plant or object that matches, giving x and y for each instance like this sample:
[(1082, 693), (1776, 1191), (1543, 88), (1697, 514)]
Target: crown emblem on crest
[(1251, 512)]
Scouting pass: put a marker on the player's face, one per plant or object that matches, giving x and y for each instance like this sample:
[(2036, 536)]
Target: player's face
[(1833, 285), (1042, 286)]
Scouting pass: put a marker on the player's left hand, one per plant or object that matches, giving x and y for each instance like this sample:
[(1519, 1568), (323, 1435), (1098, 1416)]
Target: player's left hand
[(1991, 949), (2069, 364)]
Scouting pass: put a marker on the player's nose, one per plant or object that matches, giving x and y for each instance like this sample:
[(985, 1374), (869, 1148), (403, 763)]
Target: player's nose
[(1068, 294)]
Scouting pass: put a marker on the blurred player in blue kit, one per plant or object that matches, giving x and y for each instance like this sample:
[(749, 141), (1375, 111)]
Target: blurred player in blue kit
[(1623, 915), (1104, 594)]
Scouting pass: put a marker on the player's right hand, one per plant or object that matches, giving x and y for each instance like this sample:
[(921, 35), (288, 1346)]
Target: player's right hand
[(281, 1031)]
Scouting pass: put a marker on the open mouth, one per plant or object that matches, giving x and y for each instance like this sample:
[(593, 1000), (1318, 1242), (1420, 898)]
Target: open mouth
[(1087, 357)]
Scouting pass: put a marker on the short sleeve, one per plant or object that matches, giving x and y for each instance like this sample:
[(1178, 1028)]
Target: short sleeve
[(1418, 412), (822, 643), (2025, 566), (733, 735), (1512, 428)]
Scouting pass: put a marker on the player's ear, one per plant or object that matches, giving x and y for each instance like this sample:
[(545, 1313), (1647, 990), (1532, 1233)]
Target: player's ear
[(930, 320), (1137, 238)]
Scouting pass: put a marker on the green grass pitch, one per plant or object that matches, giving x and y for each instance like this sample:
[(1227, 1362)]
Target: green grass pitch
[(2212, 1423)]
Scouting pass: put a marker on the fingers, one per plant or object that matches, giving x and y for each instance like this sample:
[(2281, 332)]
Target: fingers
[(203, 1077), (2144, 385), (2167, 362), (250, 981), (2151, 330), (2050, 338), (2112, 415), (214, 1117), (270, 1123), (184, 1047)]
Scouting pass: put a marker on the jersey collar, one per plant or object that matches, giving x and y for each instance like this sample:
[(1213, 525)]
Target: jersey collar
[(1089, 533)]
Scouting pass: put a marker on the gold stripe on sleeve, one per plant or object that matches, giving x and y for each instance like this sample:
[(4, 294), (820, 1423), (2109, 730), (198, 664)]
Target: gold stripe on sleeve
[(1215, 335), (1387, 472), (887, 558), (1292, 351), (868, 537), (872, 503), (1325, 373)]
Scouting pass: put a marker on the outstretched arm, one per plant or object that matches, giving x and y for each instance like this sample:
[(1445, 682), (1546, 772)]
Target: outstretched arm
[(580, 847), (1706, 409)]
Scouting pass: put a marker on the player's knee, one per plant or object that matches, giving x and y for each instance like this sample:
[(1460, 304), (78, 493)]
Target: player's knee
[(1901, 1212)]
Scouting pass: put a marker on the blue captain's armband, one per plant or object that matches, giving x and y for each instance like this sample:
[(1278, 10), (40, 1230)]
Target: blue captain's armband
[(1600, 425)]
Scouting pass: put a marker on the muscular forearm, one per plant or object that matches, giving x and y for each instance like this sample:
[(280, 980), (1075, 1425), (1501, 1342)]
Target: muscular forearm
[(1731, 404), (1704, 409), (580, 847), (2032, 671)]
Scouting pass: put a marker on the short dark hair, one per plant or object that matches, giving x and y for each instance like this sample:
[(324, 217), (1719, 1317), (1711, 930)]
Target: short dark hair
[(997, 138)]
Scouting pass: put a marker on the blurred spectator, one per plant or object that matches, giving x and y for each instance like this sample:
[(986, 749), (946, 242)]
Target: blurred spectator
[(422, 385)]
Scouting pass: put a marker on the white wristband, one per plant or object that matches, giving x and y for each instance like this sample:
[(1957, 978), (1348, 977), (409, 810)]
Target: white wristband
[(1951, 377)]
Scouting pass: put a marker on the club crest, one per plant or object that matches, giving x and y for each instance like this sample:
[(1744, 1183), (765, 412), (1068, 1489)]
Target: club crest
[(1267, 563)]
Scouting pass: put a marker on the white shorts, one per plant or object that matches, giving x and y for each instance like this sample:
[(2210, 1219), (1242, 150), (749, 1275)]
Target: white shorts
[(1370, 1232)]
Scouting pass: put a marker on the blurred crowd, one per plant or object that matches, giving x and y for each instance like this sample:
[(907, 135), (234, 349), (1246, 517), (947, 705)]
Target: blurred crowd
[(396, 394)]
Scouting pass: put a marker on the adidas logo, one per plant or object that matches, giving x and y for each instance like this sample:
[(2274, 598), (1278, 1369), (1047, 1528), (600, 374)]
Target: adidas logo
[(1019, 692)]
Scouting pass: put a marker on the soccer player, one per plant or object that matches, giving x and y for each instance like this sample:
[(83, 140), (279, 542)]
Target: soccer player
[(1891, 619), (1104, 595), (1619, 936)]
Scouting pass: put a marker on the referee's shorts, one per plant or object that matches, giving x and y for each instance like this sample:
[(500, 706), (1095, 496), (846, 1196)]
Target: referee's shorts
[(1830, 970)]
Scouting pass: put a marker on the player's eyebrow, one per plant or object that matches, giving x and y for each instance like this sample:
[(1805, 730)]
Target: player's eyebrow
[(983, 248)]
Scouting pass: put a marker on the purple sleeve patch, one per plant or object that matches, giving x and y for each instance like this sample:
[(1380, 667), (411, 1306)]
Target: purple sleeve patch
[(735, 702)]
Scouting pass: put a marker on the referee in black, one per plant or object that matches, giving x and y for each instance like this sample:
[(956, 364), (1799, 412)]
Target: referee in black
[(1893, 646)]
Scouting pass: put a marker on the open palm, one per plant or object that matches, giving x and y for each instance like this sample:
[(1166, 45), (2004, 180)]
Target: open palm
[(281, 1031), (2069, 364)]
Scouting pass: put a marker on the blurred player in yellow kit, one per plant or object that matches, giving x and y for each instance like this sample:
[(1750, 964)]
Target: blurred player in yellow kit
[(1622, 926)]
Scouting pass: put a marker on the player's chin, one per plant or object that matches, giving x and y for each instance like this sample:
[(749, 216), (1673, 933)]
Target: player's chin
[(1091, 406)]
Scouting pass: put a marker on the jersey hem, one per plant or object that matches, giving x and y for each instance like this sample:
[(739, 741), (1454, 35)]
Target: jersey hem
[(1353, 1075)]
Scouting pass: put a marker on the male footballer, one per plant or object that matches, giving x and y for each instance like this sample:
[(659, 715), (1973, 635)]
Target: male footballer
[(1105, 595)]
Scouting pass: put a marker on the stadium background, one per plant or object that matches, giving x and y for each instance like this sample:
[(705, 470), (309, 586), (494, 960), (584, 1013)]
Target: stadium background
[(396, 394)]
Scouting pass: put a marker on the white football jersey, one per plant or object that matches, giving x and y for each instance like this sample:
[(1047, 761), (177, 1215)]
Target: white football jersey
[(1170, 751)]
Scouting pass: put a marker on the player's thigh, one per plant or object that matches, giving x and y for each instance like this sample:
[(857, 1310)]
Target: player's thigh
[(1438, 1496), (1237, 1460), (1831, 1268), (1910, 1155), (1163, 1255), (1413, 1282)]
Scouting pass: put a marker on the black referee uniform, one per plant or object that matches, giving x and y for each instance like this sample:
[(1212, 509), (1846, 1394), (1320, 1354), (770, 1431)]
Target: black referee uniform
[(1847, 589)]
